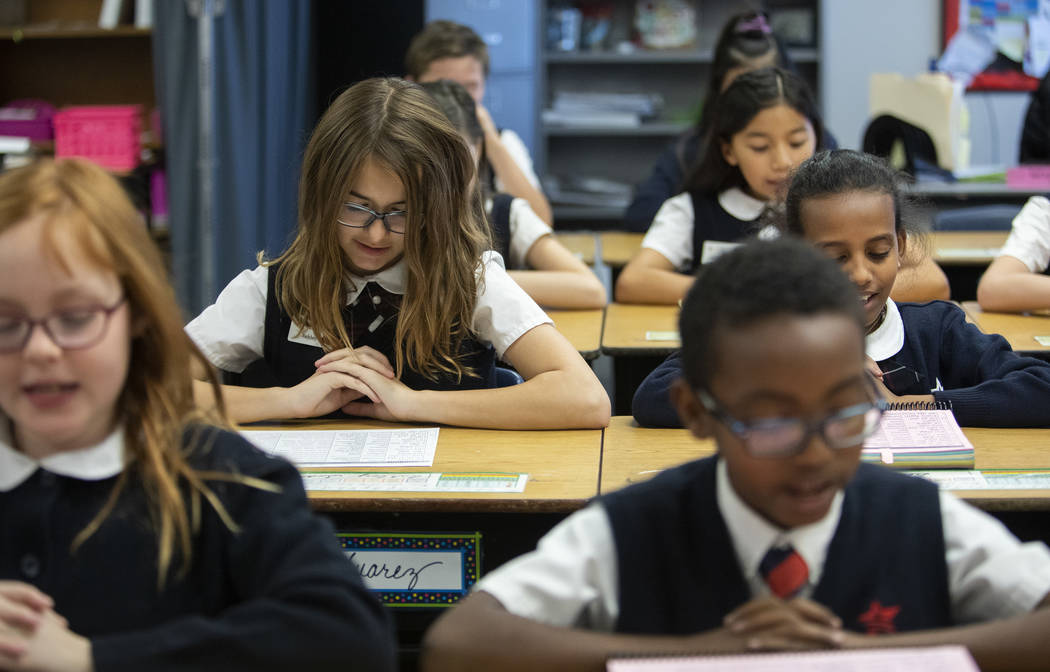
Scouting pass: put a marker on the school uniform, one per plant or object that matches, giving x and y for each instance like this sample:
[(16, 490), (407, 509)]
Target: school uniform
[(923, 348), (1029, 239), (277, 594), (520, 153), (515, 228), (246, 324), (694, 228), (679, 552)]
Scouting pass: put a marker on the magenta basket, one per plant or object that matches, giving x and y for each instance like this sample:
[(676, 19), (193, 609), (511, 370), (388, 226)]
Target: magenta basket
[(109, 135)]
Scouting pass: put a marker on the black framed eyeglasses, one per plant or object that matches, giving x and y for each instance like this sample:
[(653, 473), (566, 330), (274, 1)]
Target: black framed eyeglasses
[(900, 378), (357, 216), (783, 437), (69, 329)]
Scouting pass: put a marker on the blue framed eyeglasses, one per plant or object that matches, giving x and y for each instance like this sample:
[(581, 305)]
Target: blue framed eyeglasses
[(783, 437), (357, 216)]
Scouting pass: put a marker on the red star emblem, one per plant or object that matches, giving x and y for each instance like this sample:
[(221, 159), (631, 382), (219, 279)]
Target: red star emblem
[(879, 619)]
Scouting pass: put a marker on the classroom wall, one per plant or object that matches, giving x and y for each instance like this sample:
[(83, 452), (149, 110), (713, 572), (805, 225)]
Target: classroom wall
[(859, 38)]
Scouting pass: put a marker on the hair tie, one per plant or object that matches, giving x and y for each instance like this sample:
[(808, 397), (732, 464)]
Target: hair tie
[(756, 24)]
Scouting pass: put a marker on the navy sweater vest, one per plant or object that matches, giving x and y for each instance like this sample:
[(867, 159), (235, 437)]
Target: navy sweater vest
[(499, 222), (678, 573), (286, 363), (712, 222)]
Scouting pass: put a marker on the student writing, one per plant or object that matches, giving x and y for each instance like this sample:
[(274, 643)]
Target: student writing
[(782, 540), (449, 50), (850, 205), (387, 291), (548, 272), (746, 43), (762, 126), (1016, 281), (135, 533)]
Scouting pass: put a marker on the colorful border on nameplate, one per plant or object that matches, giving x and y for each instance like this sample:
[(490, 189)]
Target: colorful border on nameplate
[(467, 543)]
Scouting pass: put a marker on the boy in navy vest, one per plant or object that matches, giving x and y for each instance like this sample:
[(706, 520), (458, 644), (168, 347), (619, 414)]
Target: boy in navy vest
[(783, 540)]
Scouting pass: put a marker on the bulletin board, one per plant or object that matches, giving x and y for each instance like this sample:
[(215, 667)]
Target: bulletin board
[(960, 13)]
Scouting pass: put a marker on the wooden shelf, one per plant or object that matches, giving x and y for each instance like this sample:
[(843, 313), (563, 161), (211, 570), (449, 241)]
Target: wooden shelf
[(70, 31)]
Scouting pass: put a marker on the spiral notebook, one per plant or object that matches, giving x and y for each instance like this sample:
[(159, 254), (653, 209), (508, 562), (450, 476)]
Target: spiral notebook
[(928, 659), (919, 436)]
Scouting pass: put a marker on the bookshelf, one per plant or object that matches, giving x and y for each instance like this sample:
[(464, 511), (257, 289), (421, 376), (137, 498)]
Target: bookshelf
[(626, 154)]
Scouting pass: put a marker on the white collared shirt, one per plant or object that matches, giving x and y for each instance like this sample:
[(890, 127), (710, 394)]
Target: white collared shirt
[(1029, 238), (94, 463), (520, 153), (888, 339), (671, 233), (526, 228), (571, 578), (230, 332)]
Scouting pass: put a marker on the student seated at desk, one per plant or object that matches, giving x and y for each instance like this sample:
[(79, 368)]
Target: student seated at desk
[(548, 272), (849, 205), (449, 50), (137, 533), (783, 540), (1017, 280), (390, 273), (746, 43)]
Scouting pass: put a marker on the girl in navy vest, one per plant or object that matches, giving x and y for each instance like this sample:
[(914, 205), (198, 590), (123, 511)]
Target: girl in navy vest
[(782, 540), (135, 532), (850, 206), (762, 127), (548, 272), (386, 304)]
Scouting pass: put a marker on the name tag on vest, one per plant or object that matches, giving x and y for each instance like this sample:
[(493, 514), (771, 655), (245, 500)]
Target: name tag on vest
[(714, 249), (304, 338)]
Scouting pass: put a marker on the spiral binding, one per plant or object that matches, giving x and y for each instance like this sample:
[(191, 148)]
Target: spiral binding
[(920, 406)]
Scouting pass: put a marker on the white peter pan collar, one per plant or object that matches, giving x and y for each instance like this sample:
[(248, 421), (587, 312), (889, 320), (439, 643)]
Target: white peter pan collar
[(888, 339), (391, 279), (741, 205), (95, 463), (752, 535)]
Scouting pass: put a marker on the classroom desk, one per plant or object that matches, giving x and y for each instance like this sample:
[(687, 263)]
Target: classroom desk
[(966, 248), (947, 193), (1019, 329), (582, 328), (562, 468), (626, 326), (582, 244), (631, 454), (619, 246)]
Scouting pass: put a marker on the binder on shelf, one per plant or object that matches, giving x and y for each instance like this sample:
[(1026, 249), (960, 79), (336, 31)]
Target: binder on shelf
[(109, 17)]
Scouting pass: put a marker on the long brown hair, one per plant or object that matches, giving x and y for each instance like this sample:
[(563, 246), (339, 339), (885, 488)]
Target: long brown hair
[(396, 123), (80, 202)]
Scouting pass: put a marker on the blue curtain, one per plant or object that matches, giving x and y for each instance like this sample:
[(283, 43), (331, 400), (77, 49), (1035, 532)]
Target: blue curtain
[(262, 99)]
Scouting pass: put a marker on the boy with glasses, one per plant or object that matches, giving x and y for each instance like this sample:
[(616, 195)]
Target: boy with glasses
[(783, 540)]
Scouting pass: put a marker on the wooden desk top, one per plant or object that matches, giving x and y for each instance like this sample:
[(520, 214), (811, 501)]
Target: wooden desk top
[(974, 190), (581, 244), (562, 468), (1019, 329), (631, 454), (583, 328), (619, 246), (966, 248), (627, 324)]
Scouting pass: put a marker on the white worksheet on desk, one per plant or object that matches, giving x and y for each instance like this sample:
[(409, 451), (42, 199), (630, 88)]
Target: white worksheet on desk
[(350, 447)]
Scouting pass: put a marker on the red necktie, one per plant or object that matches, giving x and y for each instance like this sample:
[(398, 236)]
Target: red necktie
[(784, 570)]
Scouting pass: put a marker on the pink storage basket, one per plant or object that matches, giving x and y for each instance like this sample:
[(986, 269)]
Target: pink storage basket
[(109, 135)]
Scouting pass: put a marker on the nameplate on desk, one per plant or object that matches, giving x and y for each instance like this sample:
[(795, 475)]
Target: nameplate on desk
[(412, 481), (999, 479), (662, 336), (415, 570)]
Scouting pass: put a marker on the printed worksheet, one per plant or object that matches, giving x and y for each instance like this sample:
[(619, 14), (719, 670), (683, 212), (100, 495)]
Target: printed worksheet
[(351, 447)]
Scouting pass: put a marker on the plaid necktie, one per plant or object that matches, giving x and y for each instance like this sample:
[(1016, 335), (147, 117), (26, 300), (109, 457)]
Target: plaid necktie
[(784, 570)]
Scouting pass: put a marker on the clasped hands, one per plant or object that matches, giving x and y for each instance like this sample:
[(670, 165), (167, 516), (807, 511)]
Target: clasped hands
[(346, 375), (772, 624), (33, 637)]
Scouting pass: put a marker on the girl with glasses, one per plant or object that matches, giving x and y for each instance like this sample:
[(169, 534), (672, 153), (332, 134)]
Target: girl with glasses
[(386, 304), (548, 272), (136, 532)]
